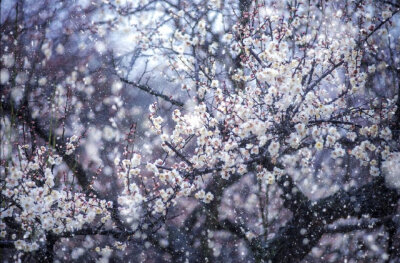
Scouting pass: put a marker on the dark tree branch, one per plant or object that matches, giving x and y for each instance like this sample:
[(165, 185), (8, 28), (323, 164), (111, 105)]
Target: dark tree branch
[(153, 92), (295, 240), (391, 229), (6, 244), (293, 198), (233, 228)]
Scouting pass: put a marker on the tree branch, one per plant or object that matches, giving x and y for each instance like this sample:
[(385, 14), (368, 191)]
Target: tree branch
[(295, 240), (153, 92)]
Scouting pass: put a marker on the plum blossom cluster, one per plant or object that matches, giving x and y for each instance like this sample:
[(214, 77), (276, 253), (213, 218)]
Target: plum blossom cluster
[(70, 147), (131, 199), (36, 201), (297, 90), (289, 94)]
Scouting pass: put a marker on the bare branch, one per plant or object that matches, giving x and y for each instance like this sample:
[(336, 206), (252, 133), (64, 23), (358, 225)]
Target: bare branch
[(153, 92)]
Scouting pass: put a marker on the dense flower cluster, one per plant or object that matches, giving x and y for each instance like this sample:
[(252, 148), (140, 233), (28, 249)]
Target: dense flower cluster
[(281, 92), (40, 205), (294, 98)]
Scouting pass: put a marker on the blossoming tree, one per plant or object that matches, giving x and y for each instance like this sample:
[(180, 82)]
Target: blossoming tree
[(200, 131)]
